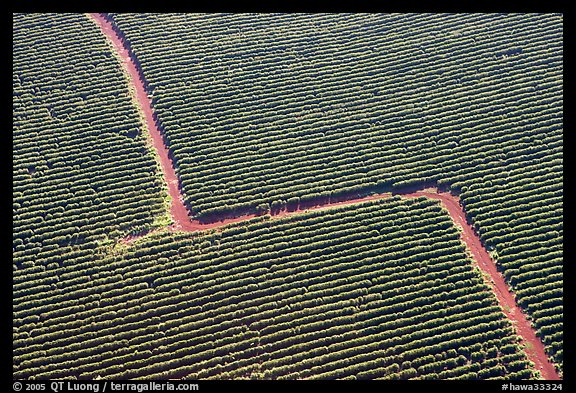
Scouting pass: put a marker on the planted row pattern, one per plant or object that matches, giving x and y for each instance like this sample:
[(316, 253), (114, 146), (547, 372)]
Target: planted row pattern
[(378, 290), (264, 109), (82, 173)]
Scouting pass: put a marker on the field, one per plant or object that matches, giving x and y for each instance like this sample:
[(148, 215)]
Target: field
[(270, 108), (83, 174), (363, 291), (270, 115)]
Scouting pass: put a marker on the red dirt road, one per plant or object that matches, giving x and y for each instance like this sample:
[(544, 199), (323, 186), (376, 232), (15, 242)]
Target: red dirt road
[(535, 348), (182, 221), (178, 209)]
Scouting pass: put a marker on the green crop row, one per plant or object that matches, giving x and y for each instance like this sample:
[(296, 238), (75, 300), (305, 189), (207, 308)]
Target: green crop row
[(261, 109), (346, 292)]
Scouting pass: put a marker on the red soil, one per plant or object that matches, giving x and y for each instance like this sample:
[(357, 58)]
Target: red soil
[(182, 221), (178, 209), (534, 348)]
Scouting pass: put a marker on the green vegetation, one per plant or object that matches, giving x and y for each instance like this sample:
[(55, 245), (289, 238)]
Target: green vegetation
[(82, 174), (378, 290), (261, 113), (261, 108)]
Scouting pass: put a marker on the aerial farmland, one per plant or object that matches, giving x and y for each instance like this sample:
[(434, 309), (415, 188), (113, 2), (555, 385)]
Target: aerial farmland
[(287, 196)]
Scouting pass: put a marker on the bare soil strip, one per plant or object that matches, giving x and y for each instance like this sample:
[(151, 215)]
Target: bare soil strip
[(182, 221), (177, 209), (534, 348)]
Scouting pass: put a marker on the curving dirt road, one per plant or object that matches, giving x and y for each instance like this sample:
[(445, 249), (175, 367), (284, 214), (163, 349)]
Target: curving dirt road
[(182, 222)]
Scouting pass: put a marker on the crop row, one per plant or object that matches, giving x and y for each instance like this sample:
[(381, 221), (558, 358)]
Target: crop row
[(328, 294), (81, 170), (259, 110)]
